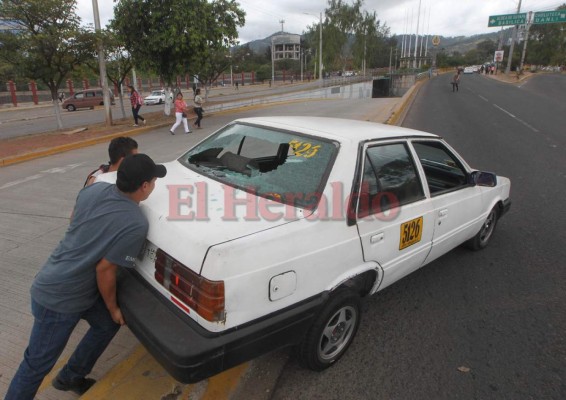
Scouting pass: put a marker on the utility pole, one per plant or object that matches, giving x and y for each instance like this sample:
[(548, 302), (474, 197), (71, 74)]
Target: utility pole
[(508, 69), (102, 68), (417, 36), (410, 39), (272, 64), (528, 27), (365, 49), (320, 55)]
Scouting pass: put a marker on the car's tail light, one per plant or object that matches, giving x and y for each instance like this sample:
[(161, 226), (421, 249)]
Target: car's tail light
[(202, 295)]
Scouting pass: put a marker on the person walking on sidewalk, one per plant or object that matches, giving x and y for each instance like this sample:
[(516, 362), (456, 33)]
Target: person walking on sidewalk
[(136, 101), (198, 101), (78, 281), (180, 114)]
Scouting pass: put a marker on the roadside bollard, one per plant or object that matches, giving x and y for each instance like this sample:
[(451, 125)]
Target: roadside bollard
[(33, 89), (12, 89)]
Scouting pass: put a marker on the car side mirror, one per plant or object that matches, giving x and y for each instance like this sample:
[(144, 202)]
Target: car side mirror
[(480, 178)]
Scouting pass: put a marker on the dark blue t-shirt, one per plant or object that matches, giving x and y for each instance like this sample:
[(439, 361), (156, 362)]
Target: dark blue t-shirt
[(105, 224)]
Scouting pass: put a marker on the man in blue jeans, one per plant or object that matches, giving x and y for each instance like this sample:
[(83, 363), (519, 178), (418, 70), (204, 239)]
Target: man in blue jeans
[(78, 281)]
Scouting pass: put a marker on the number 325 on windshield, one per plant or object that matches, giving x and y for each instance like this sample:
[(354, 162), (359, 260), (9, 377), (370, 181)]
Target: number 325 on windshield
[(304, 149)]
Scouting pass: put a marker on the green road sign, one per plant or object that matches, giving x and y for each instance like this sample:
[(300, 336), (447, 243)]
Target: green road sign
[(549, 17), (507, 19)]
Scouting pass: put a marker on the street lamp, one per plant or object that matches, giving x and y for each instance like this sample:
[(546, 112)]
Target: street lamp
[(231, 74), (272, 65), (319, 51), (102, 67)]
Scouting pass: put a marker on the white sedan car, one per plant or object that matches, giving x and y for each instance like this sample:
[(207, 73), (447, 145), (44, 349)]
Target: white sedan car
[(270, 231), (156, 97)]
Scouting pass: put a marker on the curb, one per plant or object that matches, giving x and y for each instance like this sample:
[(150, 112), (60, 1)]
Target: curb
[(71, 146), (401, 109)]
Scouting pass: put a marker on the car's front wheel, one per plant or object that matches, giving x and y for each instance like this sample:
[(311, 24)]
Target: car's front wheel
[(333, 331), (482, 238), (71, 107)]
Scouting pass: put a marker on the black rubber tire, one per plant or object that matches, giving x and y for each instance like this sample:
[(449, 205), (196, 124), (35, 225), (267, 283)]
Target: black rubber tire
[(71, 107), (482, 238), (332, 332)]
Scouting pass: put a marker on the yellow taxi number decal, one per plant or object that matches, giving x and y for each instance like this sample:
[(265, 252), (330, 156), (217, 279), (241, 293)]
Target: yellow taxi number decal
[(411, 232), (304, 149)]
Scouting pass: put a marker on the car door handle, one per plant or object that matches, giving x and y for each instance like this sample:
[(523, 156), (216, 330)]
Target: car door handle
[(443, 213), (376, 238)]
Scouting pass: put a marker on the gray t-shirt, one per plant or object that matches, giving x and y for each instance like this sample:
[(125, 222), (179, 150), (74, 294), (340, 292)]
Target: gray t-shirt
[(105, 224)]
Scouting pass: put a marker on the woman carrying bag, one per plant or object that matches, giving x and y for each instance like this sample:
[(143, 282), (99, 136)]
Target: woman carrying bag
[(180, 114), (198, 107)]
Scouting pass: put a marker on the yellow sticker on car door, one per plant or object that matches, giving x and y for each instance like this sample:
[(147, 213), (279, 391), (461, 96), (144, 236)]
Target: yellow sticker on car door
[(411, 232)]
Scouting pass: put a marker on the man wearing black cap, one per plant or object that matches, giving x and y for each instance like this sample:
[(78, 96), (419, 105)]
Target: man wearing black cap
[(78, 281)]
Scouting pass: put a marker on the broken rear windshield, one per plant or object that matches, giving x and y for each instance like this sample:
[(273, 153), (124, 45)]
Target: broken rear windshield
[(284, 166)]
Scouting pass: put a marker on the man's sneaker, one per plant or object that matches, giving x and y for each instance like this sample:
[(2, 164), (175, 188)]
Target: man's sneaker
[(135, 125), (171, 132), (79, 386), (144, 121), (186, 133)]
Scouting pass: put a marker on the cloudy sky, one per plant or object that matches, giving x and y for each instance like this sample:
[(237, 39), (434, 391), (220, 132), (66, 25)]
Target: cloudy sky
[(438, 17)]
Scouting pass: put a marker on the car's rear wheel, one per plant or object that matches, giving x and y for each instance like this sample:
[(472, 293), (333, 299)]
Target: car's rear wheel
[(333, 331), (482, 238), (71, 107)]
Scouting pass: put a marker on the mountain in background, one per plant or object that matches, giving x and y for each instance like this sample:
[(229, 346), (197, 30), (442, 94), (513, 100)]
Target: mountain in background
[(463, 44), (260, 46), (460, 44)]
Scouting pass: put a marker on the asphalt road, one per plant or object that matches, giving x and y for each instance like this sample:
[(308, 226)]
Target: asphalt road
[(473, 325)]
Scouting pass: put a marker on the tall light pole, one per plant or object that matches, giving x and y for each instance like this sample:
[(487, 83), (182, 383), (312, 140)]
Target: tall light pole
[(231, 73), (514, 37), (320, 54), (272, 65), (320, 78), (417, 37), (102, 67)]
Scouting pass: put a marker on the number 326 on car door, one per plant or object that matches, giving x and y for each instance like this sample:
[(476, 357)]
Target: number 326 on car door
[(411, 232)]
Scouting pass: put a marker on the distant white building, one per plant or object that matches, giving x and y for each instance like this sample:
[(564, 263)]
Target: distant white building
[(286, 46)]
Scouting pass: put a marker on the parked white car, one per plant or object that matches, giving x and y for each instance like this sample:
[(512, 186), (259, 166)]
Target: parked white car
[(156, 97), (270, 231)]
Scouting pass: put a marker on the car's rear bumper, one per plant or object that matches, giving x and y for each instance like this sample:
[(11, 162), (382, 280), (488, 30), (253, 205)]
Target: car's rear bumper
[(189, 352)]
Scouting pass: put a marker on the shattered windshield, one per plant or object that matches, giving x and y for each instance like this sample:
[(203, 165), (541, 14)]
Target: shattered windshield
[(284, 166)]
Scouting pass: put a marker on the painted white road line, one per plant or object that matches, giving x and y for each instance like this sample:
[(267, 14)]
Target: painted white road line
[(57, 170), (518, 119)]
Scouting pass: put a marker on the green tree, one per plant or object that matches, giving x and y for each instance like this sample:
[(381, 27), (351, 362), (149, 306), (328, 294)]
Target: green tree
[(118, 62), (342, 22), (175, 37), (349, 33), (371, 43), (547, 43), (50, 44), (486, 51)]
